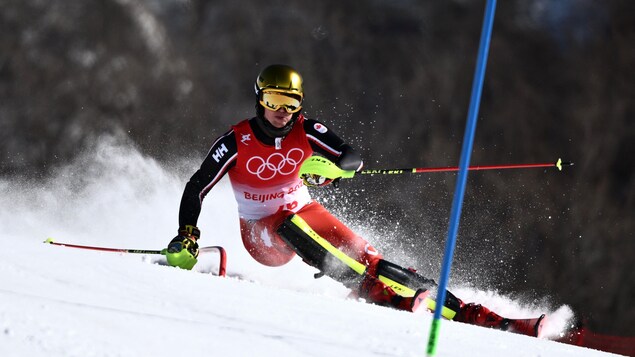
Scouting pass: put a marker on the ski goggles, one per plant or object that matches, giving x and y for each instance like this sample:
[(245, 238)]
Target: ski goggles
[(275, 100)]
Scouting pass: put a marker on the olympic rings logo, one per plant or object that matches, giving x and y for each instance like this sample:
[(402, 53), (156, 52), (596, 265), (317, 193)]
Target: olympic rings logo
[(276, 163)]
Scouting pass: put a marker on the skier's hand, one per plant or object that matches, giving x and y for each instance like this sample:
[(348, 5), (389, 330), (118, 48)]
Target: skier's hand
[(313, 180), (183, 249)]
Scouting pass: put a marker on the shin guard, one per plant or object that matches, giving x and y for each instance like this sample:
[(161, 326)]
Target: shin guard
[(402, 280), (406, 282), (320, 253)]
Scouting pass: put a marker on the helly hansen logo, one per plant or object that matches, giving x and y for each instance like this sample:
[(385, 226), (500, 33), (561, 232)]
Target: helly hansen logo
[(222, 150)]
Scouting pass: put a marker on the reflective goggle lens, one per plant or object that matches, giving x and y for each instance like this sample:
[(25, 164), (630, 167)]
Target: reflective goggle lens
[(277, 100)]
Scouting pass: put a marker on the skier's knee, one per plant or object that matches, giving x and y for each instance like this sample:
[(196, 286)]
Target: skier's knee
[(266, 248)]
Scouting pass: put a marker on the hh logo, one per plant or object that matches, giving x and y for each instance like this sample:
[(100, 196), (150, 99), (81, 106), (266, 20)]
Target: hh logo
[(218, 154)]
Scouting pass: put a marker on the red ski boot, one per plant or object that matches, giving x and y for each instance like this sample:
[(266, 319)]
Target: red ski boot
[(530, 327), (376, 292), (481, 316)]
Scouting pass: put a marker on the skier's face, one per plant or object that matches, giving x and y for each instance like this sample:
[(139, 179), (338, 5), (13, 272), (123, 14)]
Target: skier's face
[(278, 118)]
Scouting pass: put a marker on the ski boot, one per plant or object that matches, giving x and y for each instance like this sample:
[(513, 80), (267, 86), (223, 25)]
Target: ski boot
[(476, 314), (378, 293)]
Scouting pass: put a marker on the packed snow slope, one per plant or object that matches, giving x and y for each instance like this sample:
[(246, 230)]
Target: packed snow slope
[(60, 301)]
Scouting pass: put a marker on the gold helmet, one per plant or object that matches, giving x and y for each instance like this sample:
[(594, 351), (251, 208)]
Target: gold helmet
[(278, 86), (279, 78)]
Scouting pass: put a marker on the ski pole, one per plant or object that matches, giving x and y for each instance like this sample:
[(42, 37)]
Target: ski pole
[(103, 249), (222, 271), (416, 170), (321, 166)]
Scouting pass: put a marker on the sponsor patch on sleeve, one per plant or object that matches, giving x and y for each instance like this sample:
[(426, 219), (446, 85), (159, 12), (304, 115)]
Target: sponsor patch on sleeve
[(320, 128)]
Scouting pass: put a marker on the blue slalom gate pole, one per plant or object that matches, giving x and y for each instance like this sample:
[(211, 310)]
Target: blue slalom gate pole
[(466, 151)]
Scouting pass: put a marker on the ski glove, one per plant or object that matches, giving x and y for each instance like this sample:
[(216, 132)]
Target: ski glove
[(183, 249), (314, 180)]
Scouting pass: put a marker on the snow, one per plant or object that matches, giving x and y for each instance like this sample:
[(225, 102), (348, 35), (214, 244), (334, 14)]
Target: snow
[(61, 301)]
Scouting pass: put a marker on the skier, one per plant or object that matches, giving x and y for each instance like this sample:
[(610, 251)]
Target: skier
[(279, 219)]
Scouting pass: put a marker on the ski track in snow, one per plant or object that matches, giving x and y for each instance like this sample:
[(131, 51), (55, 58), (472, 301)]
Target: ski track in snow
[(60, 301)]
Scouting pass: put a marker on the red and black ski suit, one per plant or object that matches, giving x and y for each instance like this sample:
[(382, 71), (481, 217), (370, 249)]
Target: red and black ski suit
[(263, 172)]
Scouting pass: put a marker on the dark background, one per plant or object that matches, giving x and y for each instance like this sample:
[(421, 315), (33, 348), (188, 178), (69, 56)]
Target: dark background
[(394, 78)]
